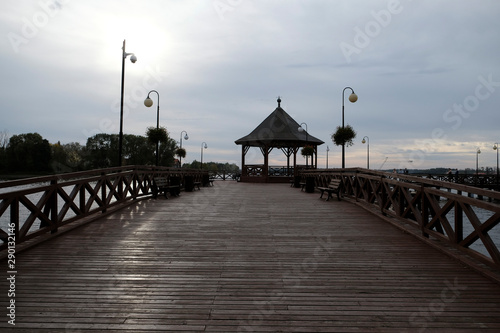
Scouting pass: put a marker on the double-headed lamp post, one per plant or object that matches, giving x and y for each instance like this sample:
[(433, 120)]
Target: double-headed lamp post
[(203, 145), (352, 98), (478, 151), (133, 58), (149, 102), (367, 141), (496, 147), (185, 137), (301, 129)]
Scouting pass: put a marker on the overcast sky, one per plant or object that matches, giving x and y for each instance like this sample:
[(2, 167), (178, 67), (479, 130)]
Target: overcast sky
[(427, 74)]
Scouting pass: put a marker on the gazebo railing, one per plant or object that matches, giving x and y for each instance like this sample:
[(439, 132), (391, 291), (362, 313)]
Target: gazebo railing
[(280, 171), (253, 170)]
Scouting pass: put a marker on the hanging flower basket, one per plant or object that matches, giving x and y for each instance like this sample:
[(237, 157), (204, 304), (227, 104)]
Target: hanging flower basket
[(181, 152), (307, 151), (156, 135), (344, 136)]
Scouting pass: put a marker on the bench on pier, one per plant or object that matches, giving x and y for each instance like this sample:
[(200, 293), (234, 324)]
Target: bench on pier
[(334, 187), (161, 184), (197, 184)]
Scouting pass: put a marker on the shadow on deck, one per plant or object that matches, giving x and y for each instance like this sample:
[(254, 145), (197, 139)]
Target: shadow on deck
[(241, 257)]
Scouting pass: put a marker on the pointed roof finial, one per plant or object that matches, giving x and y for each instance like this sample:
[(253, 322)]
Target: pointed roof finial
[(279, 101)]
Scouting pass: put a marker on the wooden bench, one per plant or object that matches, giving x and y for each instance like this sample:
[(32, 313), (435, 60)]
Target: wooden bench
[(197, 184), (161, 184), (334, 187)]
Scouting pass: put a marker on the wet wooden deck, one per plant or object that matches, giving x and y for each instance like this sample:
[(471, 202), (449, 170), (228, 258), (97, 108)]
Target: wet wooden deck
[(242, 257)]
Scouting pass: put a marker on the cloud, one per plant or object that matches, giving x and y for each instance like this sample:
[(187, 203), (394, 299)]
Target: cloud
[(219, 76)]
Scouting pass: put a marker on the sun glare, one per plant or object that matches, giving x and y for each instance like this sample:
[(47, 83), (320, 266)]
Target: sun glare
[(143, 38)]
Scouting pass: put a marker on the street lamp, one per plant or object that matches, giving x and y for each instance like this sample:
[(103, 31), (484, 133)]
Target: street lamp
[(301, 129), (149, 102), (133, 58), (185, 137), (367, 151), (497, 148), (203, 145), (327, 150), (478, 151), (352, 98)]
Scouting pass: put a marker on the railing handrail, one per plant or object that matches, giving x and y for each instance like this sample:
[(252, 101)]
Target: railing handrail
[(83, 193), (416, 201)]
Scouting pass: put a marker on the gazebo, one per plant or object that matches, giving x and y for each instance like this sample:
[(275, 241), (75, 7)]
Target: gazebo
[(278, 130)]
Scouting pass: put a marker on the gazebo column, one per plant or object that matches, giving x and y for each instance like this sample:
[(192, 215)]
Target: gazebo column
[(315, 166), (244, 151), (265, 151), (295, 150)]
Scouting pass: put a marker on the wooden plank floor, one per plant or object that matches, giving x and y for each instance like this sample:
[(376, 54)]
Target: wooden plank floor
[(242, 257)]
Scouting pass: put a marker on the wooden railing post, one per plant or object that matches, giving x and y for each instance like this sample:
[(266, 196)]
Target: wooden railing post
[(103, 190), (50, 208), (424, 212), (459, 224), (54, 206), (14, 217)]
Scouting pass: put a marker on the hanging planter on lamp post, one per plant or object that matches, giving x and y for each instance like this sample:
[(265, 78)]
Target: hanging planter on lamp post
[(307, 151), (157, 135), (181, 152), (344, 136)]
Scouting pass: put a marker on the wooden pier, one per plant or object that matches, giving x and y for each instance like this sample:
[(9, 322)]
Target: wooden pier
[(243, 257)]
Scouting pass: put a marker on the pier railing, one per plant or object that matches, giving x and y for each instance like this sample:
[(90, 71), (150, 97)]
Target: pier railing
[(37, 206), (464, 217)]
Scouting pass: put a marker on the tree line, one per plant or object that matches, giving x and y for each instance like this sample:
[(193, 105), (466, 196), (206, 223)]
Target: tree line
[(31, 154)]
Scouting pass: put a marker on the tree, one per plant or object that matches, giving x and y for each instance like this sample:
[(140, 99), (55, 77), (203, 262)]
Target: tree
[(101, 149), (167, 146), (28, 153), (167, 152), (139, 150), (4, 141), (58, 162), (75, 155)]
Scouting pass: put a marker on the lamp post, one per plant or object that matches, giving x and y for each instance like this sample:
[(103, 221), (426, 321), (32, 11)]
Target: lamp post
[(327, 150), (133, 58), (496, 147), (203, 145), (352, 98), (185, 137), (301, 129), (367, 151), (478, 151), (149, 102)]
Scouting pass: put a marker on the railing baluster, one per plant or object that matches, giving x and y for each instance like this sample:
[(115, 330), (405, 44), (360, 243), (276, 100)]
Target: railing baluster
[(394, 198)]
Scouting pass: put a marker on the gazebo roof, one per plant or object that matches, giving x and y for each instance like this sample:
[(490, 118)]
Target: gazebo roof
[(278, 130)]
